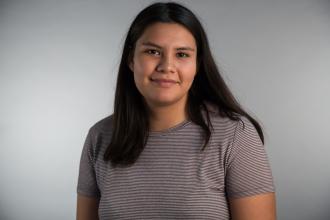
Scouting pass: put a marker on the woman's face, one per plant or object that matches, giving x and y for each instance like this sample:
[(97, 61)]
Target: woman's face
[(164, 64)]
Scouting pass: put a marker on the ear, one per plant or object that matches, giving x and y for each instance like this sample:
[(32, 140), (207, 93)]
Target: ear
[(131, 66), (130, 59)]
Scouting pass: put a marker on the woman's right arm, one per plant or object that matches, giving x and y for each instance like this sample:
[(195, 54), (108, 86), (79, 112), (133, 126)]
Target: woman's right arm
[(87, 208)]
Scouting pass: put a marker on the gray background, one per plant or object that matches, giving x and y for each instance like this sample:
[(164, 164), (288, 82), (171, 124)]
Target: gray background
[(58, 63)]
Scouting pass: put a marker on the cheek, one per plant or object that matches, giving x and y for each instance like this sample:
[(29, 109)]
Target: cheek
[(189, 83), (139, 70), (143, 67), (189, 73)]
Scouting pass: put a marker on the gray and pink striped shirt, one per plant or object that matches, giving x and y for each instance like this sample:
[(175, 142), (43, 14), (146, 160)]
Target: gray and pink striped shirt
[(172, 178)]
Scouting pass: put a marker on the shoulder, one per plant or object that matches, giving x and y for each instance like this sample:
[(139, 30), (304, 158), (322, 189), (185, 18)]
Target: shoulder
[(225, 127), (220, 122), (217, 117), (99, 136), (102, 126)]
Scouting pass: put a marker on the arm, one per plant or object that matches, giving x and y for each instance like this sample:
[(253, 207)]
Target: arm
[(249, 183), (87, 208), (88, 193), (258, 207)]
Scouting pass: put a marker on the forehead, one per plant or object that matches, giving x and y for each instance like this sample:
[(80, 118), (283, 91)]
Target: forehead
[(168, 34)]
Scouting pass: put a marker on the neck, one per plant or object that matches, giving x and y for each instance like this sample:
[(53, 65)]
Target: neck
[(164, 117)]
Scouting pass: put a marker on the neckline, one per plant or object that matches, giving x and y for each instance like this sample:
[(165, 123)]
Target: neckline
[(171, 129)]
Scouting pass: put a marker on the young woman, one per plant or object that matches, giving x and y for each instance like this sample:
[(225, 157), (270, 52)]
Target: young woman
[(178, 145)]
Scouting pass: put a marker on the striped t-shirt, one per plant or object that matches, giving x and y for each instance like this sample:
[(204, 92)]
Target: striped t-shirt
[(172, 178)]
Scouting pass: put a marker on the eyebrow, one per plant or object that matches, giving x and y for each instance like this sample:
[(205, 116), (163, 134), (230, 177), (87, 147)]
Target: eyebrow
[(148, 43)]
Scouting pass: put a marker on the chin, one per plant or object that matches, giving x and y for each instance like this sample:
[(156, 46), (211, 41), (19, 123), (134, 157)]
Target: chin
[(164, 101)]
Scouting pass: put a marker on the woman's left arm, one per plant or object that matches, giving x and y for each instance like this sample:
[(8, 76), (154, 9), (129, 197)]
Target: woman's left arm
[(258, 207)]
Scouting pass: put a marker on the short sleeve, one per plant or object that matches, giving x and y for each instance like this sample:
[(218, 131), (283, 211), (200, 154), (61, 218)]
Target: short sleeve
[(248, 172), (87, 183)]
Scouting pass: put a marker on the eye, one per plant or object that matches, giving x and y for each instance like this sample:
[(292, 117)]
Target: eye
[(151, 51), (183, 55)]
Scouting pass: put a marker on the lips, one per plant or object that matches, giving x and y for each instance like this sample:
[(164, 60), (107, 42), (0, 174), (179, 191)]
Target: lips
[(164, 80), (164, 83)]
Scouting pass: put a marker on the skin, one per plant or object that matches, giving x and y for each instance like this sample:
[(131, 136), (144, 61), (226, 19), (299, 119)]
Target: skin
[(165, 51), (259, 207), (168, 51), (87, 208)]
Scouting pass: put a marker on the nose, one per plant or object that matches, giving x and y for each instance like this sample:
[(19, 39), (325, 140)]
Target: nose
[(166, 64)]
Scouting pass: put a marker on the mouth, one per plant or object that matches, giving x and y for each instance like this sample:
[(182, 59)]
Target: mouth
[(164, 80), (165, 83)]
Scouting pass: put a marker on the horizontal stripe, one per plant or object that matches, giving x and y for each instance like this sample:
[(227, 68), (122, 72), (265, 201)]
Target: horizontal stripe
[(172, 178)]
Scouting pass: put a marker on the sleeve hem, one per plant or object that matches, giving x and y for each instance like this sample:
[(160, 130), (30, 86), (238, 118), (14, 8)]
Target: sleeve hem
[(87, 193), (254, 192)]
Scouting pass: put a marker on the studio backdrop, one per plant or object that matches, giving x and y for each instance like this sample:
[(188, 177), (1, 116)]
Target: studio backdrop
[(58, 67)]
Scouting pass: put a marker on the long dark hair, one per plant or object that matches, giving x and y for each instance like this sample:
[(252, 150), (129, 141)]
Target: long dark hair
[(130, 118)]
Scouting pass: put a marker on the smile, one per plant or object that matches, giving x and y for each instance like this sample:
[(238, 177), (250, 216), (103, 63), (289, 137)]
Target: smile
[(163, 83)]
